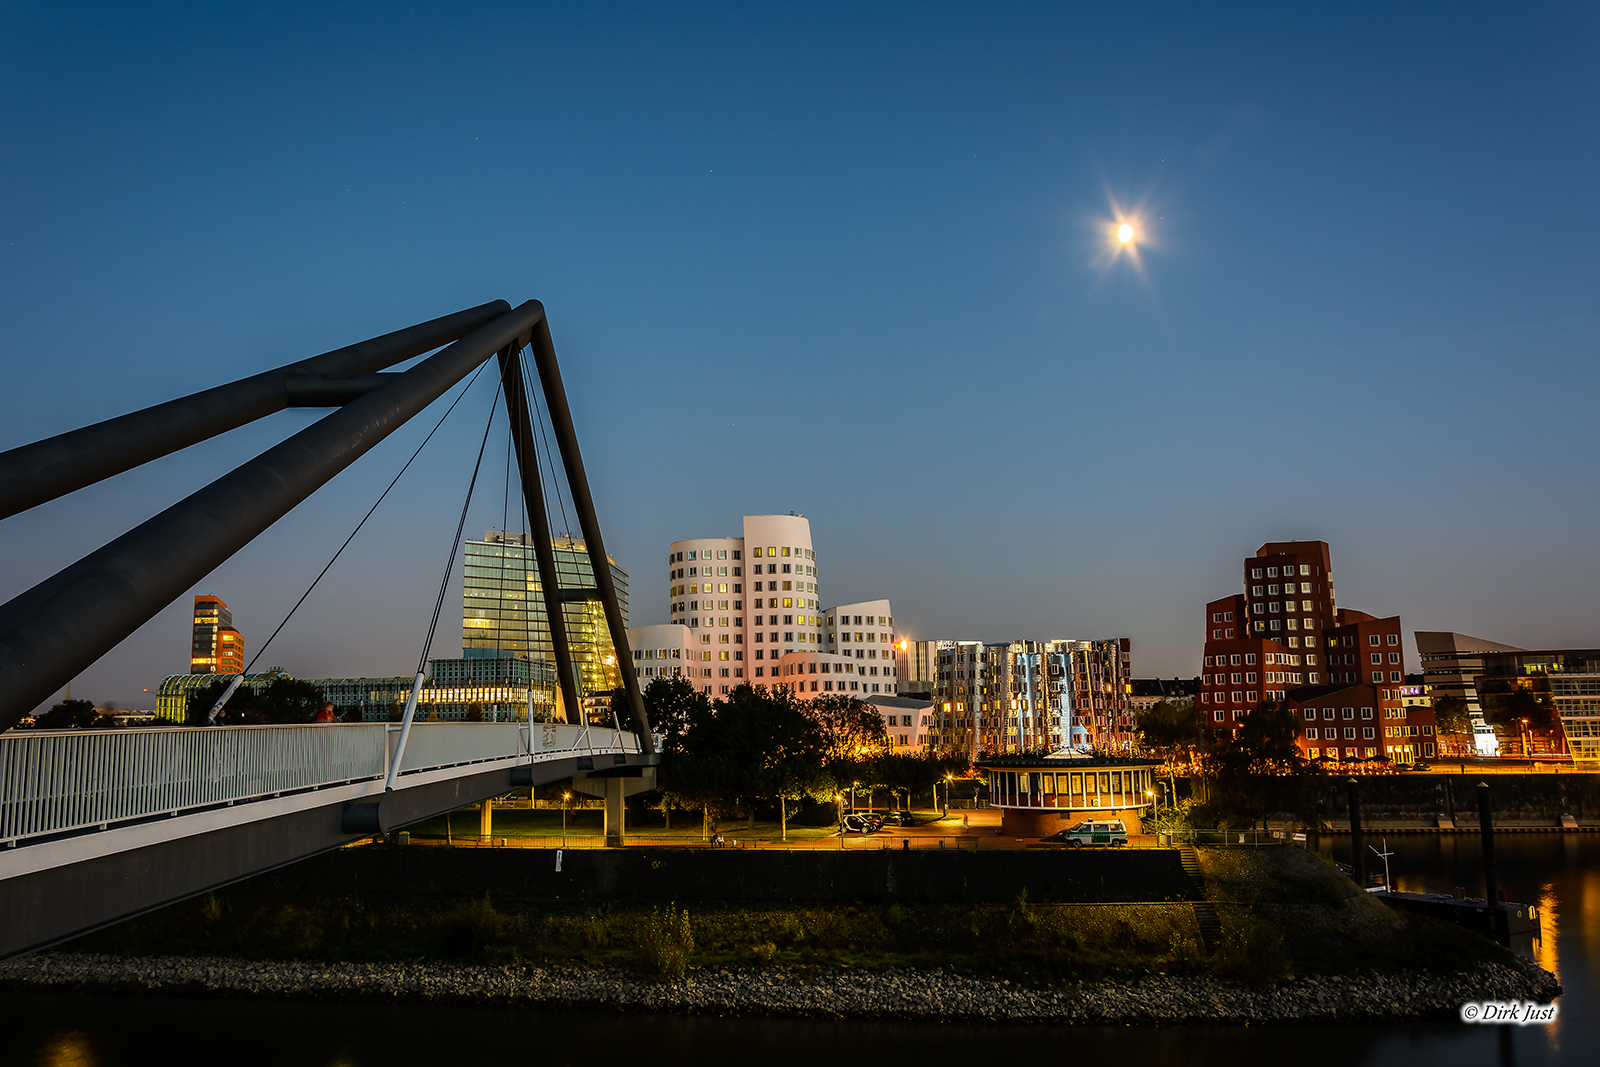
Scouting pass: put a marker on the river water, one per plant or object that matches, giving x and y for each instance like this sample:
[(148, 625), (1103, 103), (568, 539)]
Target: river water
[(1560, 873)]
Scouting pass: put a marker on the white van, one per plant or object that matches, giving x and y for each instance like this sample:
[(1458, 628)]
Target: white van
[(1092, 832)]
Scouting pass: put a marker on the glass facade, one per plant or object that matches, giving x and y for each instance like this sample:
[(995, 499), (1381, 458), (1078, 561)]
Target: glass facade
[(502, 612), (457, 690)]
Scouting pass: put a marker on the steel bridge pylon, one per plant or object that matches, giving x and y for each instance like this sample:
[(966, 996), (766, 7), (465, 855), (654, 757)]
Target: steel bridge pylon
[(62, 625)]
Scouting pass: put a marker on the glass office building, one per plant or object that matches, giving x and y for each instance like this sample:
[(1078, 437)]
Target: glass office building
[(503, 615), (457, 690)]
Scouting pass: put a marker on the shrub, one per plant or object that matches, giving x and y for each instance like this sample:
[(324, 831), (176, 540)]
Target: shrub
[(1251, 951), (666, 942)]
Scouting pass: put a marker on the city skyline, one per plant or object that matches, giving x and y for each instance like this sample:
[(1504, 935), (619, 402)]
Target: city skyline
[(852, 264)]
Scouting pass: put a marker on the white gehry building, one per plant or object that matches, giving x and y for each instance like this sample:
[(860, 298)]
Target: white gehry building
[(746, 602)]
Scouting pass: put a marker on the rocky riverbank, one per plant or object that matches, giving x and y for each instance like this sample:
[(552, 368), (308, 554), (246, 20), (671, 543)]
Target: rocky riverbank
[(926, 996)]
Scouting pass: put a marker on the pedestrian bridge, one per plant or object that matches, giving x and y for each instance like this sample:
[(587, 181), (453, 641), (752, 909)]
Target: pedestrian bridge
[(97, 826)]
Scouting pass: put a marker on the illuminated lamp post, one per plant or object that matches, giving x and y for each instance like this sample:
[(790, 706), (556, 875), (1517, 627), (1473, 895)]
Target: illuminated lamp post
[(566, 801), (839, 799)]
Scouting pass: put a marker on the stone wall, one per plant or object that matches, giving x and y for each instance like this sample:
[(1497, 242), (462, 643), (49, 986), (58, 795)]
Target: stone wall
[(685, 875), (1537, 799)]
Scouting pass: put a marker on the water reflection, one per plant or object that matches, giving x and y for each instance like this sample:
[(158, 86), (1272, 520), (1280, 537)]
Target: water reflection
[(1544, 945), (70, 1049)]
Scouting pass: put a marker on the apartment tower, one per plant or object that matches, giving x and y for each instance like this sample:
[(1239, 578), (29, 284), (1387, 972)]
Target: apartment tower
[(216, 647)]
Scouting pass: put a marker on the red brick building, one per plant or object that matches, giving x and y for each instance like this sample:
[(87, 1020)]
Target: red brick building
[(1264, 642), (1285, 639)]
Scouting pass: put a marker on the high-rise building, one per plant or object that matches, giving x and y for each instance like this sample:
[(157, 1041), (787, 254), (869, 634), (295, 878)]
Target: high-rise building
[(1024, 696), (1285, 640), (916, 667), (216, 648), (1276, 623), (749, 601), (503, 612)]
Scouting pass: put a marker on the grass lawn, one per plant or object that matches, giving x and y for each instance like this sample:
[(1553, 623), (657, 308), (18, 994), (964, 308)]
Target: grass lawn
[(521, 825)]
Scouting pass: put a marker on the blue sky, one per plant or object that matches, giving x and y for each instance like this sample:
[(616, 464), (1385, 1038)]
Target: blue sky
[(852, 261)]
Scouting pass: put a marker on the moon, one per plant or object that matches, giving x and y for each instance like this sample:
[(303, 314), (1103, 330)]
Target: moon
[(1124, 233)]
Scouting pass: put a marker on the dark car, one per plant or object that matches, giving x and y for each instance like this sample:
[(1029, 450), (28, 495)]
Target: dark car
[(901, 818)]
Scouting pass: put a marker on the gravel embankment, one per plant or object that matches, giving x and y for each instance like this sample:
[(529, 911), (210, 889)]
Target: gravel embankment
[(935, 995)]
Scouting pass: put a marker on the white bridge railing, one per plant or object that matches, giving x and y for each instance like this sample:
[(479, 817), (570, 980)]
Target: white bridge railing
[(54, 782)]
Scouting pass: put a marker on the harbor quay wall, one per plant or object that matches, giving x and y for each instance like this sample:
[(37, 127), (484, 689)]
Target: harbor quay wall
[(695, 875), (1420, 798), (1513, 798)]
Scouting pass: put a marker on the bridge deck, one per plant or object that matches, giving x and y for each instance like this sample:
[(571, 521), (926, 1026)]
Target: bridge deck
[(99, 825)]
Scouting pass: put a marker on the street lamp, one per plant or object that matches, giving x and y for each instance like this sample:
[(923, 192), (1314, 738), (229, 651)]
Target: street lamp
[(839, 799), (948, 778), (566, 799)]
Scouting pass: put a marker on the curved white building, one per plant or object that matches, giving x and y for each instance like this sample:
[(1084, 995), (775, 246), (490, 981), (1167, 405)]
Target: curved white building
[(748, 600), (865, 631), (667, 651)]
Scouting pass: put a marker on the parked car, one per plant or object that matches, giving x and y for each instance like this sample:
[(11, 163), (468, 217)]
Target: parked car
[(901, 818), (859, 824), (1092, 832)]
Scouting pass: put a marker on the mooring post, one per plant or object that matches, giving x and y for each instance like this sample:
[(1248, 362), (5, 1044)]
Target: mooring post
[(1358, 847), (1491, 881)]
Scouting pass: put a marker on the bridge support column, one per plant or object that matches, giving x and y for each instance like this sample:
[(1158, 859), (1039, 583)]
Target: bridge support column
[(485, 820), (614, 813)]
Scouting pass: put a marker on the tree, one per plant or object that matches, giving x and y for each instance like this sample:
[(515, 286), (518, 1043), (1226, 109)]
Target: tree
[(1260, 770), (68, 715), (671, 704), (285, 702), (752, 745), (1166, 727), (1450, 715), (289, 701), (1523, 703), (854, 729), (905, 773)]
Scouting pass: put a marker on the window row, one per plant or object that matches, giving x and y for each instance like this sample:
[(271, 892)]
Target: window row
[(710, 605), (705, 553), (774, 553), (1288, 572), (1345, 713), (1332, 733), (1288, 590), (804, 587)]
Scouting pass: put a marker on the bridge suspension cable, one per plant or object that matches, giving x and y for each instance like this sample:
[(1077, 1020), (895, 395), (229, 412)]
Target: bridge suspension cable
[(238, 679), (438, 605)]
